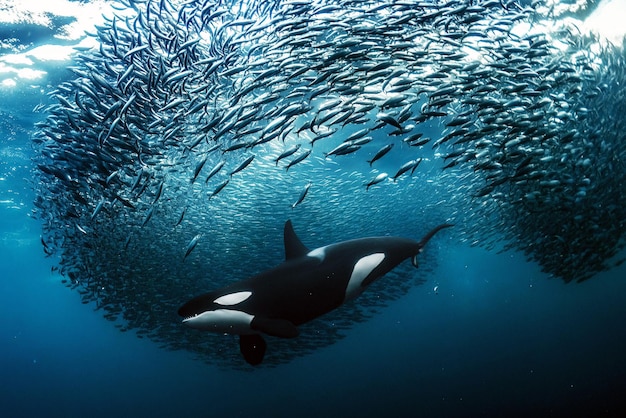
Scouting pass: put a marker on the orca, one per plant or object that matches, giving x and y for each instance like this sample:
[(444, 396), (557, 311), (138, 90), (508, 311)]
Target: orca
[(308, 284)]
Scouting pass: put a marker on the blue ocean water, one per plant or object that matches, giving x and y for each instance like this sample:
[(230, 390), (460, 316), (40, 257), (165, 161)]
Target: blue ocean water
[(496, 338)]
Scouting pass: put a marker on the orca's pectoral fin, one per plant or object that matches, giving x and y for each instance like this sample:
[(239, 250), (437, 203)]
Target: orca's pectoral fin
[(275, 327), (253, 348)]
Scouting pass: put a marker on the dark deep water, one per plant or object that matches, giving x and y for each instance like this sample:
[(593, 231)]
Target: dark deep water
[(497, 337)]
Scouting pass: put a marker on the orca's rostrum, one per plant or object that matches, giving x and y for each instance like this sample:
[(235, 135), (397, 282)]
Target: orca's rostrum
[(307, 285)]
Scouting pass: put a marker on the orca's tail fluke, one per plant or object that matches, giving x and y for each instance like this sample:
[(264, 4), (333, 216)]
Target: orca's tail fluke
[(432, 232), (425, 240)]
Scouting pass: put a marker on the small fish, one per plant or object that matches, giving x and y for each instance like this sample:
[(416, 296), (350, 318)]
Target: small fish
[(159, 192), (390, 120), (381, 153), (287, 153), (298, 159), (410, 165), (214, 170), (219, 188), (198, 168), (243, 165), (148, 216), (97, 209), (182, 215), (379, 178), (302, 195), (192, 244)]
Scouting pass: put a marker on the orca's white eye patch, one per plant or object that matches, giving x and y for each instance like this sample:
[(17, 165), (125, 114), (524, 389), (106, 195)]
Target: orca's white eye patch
[(233, 298)]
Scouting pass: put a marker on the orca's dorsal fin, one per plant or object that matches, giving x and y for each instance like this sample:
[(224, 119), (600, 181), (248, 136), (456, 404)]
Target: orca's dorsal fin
[(294, 248)]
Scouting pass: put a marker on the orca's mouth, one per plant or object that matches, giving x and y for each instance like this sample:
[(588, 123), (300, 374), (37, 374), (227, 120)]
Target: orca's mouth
[(187, 311)]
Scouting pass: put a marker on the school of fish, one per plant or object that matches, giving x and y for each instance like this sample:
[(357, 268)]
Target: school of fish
[(197, 126)]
